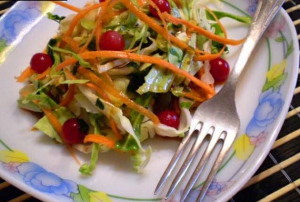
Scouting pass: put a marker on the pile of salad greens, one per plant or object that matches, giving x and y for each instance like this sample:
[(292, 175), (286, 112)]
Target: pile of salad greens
[(148, 85)]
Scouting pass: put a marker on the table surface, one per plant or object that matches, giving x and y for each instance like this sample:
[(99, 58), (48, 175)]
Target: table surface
[(278, 179)]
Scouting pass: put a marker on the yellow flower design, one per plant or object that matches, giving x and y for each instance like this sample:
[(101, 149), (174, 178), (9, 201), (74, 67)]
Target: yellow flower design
[(277, 70), (99, 197), (243, 147), (47, 6), (7, 156)]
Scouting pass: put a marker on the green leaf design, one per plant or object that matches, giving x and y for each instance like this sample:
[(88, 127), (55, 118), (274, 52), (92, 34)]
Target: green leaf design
[(3, 45), (220, 15), (82, 196), (280, 39), (290, 49), (275, 83)]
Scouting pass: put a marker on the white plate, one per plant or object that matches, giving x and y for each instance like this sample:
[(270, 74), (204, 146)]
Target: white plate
[(35, 164)]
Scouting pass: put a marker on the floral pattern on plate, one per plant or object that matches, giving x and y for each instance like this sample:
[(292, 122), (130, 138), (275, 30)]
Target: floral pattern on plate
[(267, 111)]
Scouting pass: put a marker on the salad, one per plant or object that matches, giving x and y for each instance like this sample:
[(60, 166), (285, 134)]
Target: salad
[(122, 71)]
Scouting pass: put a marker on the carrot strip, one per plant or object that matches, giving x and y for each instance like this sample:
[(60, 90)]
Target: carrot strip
[(202, 31), (210, 57), (28, 72), (71, 92), (102, 16), (156, 27), (193, 96), (115, 129), (106, 98), (161, 18), (43, 74), (80, 15), (54, 122), (107, 78), (100, 139), (68, 6), (74, 45), (58, 128), (111, 90), (98, 90), (69, 97), (178, 3), (139, 58), (176, 105)]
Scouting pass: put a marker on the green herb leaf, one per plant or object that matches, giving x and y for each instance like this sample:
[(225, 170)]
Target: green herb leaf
[(185, 105), (99, 104), (56, 18)]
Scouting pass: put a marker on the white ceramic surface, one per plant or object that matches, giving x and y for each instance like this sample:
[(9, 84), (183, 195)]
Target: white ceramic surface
[(34, 163)]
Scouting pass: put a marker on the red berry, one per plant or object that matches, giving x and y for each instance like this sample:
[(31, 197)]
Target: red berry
[(112, 40), (169, 118), (100, 1), (219, 69), (163, 6), (74, 131), (40, 62)]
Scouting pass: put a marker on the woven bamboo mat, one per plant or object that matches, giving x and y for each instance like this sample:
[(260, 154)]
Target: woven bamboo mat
[(278, 179)]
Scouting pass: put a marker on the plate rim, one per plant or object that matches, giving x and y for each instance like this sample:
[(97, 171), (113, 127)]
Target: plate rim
[(238, 186), (250, 171)]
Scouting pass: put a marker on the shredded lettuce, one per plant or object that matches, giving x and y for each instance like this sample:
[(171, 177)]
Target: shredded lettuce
[(87, 24), (78, 81), (44, 125), (139, 157), (86, 168), (80, 60), (158, 80)]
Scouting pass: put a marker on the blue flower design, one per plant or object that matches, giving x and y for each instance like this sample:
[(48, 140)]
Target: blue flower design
[(268, 109), (17, 20), (44, 181), (252, 7)]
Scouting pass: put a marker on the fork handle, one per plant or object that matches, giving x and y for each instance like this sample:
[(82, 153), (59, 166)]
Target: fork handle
[(266, 10)]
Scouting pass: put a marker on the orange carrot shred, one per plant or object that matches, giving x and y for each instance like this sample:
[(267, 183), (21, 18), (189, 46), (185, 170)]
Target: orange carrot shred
[(115, 129), (68, 6), (43, 74), (100, 139), (98, 90), (80, 15), (54, 121), (74, 45), (143, 17), (69, 97), (202, 31), (28, 72), (58, 128), (193, 96), (114, 92), (139, 58), (71, 92), (176, 105)]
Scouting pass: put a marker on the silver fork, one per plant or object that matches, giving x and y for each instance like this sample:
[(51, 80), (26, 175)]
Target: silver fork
[(218, 116)]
